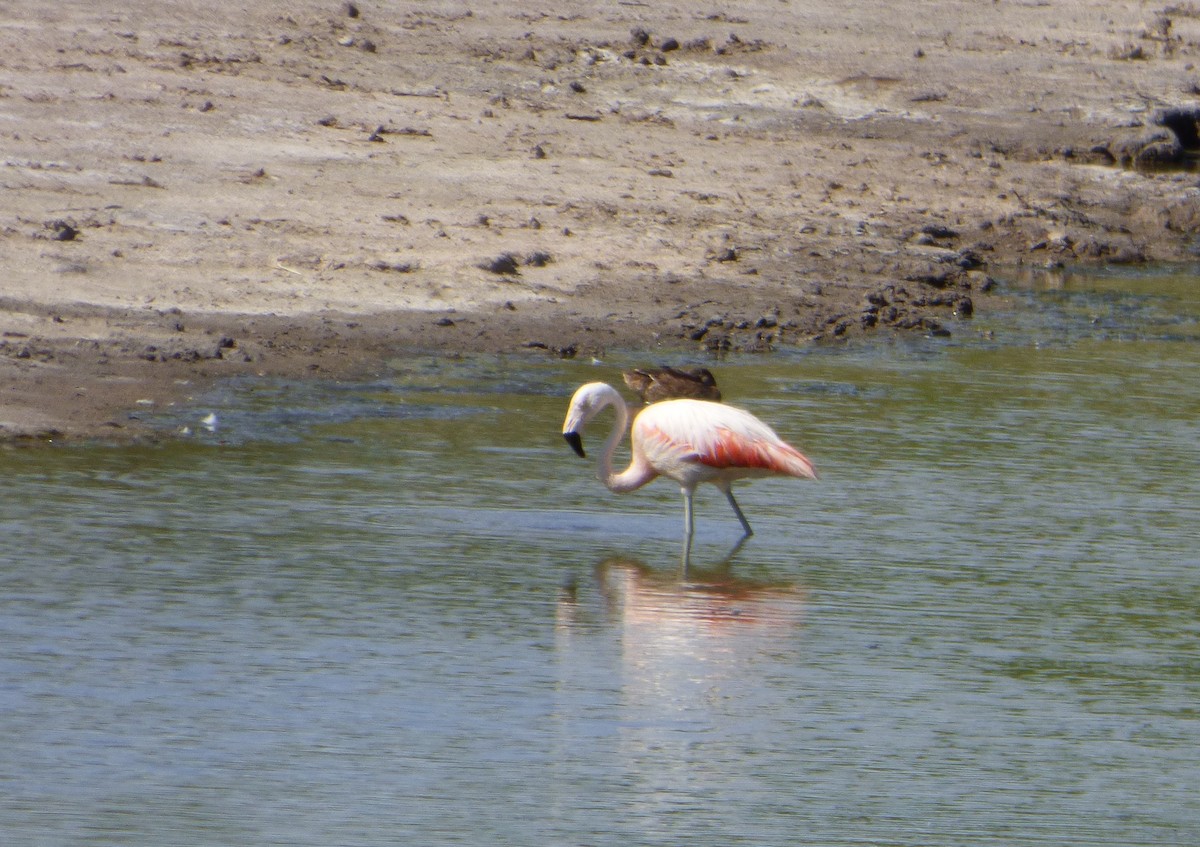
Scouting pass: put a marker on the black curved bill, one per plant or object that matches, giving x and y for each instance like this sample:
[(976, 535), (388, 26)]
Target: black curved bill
[(576, 443)]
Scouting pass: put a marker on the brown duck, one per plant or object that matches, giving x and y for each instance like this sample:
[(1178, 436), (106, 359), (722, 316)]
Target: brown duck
[(656, 384)]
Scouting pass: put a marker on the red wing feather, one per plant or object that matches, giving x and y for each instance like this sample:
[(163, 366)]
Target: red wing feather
[(718, 436), (729, 450)]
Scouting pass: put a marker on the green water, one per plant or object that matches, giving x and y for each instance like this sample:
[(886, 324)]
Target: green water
[(405, 612)]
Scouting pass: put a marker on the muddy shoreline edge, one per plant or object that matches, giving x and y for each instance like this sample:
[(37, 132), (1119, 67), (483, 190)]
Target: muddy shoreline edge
[(318, 190)]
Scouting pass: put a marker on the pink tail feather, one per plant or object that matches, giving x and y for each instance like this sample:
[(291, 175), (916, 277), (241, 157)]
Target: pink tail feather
[(730, 451)]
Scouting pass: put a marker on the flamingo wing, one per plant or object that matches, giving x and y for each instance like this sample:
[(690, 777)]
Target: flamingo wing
[(683, 432)]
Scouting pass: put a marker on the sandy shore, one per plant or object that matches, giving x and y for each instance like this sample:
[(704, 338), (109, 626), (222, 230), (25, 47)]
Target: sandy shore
[(200, 190)]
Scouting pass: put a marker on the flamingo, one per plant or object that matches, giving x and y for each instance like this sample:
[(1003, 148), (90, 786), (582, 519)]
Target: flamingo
[(689, 441), (656, 384)]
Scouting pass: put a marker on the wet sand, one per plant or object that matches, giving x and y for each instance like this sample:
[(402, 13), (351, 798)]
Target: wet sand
[(197, 191)]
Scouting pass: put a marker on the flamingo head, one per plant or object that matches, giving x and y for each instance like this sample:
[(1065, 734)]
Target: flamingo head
[(587, 402)]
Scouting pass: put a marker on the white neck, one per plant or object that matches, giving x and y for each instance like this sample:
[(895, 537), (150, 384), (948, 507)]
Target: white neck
[(639, 471)]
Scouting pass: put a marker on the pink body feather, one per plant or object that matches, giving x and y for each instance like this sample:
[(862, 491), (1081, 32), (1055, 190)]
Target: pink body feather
[(702, 441)]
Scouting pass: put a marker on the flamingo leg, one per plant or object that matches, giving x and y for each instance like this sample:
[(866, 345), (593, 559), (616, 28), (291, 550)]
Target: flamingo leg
[(737, 510), (727, 562), (688, 526)]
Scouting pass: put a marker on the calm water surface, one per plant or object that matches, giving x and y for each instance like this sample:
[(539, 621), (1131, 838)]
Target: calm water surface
[(406, 613)]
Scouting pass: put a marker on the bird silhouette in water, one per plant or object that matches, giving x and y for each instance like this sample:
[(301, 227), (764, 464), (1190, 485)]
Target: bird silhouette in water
[(654, 385), (688, 441)]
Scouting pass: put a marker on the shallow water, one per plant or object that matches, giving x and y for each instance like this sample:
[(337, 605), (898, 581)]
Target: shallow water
[(405, 612)]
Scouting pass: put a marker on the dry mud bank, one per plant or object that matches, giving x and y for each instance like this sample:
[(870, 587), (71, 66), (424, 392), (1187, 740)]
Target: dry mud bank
[(194, 190)]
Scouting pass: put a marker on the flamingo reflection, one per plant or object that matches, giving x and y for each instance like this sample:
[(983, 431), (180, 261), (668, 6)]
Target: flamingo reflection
[(713, 599), (705, 602), (653, 665)]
